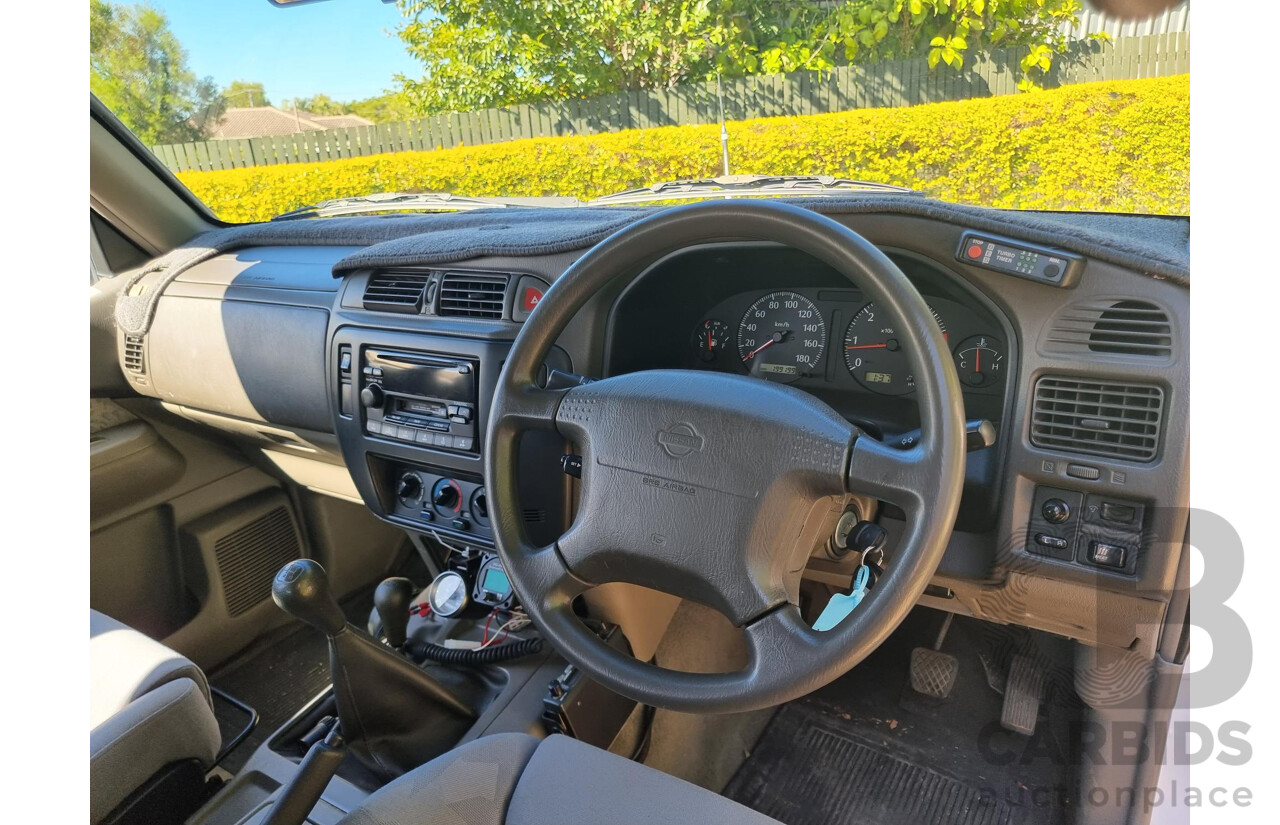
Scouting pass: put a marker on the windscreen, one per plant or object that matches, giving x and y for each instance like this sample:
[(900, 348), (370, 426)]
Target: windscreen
[(261, 109)]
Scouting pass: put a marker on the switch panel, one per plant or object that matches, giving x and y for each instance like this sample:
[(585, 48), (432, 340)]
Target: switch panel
[(1052, 528), (1097, 531), (1110, 533)]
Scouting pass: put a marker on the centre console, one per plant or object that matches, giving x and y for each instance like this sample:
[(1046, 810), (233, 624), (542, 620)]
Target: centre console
[(410, 415)]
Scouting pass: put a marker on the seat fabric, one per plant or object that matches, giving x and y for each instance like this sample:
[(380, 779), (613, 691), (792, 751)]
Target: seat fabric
[(148, 708), (515, 779)]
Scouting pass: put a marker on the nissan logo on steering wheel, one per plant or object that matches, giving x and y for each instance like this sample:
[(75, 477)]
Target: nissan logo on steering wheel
[(680, 440)]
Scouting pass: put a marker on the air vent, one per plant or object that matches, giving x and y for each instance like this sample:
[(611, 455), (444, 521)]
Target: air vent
[(535, 515), (134, 360), (392, 290), (1102, 418), (1128, 327), (473, 294), (249, 557)]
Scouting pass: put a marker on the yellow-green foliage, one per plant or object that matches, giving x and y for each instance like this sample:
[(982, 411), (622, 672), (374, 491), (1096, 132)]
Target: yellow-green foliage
[(1119, 146)]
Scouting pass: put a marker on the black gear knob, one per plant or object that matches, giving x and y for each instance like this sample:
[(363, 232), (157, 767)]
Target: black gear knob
[(392, 600), (301, 589)]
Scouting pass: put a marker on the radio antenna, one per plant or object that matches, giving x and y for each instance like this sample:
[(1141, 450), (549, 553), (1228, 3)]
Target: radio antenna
[(724, 131)]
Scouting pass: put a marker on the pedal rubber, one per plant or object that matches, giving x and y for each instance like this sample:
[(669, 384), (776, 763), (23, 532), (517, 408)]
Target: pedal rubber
[(933, 672), (1022, 696)]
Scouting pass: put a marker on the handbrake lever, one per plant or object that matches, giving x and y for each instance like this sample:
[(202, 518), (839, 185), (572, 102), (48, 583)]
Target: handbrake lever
[(303, 791)]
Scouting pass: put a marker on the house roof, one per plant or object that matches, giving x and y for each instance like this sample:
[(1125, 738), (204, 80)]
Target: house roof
[(341, 121), (261, 121)]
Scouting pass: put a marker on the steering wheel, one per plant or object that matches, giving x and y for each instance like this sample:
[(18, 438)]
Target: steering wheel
[(700, 484)]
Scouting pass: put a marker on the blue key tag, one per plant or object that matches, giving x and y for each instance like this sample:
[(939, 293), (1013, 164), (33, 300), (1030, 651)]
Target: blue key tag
[(842, 604)]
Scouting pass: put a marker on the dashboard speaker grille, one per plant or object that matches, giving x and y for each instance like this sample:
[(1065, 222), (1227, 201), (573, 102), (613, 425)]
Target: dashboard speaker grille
[(1128, 327), (1102, 418), (473, 294), (393, 290), (134, 358), (249, 557)]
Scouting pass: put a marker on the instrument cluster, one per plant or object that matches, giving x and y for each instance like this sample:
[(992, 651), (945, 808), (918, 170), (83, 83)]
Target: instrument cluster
[(834, 336)]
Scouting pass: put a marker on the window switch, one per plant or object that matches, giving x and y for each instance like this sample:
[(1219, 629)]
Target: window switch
[(1107, 555)]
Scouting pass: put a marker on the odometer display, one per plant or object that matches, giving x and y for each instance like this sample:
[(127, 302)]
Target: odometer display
[(782, 337), (874, 354)]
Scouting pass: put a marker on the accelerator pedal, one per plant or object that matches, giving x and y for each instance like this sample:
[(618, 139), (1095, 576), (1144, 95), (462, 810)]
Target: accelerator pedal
[(933, 672), (1022, 695)]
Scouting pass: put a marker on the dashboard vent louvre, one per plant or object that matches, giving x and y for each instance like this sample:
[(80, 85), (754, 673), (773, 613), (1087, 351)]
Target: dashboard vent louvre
[(473, 294), (134, 359), (1128, 327), (1102, 418), (395, 290)]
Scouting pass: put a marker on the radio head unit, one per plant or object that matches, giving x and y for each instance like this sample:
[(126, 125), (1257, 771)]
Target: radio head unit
[(418, 397)]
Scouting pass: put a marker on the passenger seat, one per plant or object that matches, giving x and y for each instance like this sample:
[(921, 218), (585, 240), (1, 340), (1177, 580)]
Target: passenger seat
[(151, 725)]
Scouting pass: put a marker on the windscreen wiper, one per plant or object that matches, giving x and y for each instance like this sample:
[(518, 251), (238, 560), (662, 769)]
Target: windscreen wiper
[(733, 185), (414, 202)]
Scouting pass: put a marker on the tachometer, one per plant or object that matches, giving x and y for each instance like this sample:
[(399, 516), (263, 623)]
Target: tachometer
[(782, 337), (874, 354)]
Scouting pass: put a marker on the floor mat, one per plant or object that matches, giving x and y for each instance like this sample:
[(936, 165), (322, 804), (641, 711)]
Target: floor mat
[(808, 771), (868, 750), (275, 679)]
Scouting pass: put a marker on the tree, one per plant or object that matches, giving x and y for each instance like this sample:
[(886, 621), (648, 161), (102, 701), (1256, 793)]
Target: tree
[(480, 53), (319, 105), (139, 70), (384, 108), (245, 93)]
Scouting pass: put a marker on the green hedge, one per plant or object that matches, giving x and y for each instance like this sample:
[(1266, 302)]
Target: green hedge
[(1121, 146)]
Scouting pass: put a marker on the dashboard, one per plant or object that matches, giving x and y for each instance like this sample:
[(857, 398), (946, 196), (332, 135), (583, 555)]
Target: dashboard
[(375, 386)]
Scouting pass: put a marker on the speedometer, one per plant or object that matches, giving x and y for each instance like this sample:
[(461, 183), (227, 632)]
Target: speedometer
[(782, 337), (874, 354)]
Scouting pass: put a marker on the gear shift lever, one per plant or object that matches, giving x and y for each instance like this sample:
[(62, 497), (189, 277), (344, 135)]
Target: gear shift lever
[(393, 715), (301, 589), (392, 602)]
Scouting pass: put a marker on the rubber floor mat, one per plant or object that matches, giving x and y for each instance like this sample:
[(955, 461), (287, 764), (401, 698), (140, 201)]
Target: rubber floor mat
[(807, 771), (276, 680), (869, 750)]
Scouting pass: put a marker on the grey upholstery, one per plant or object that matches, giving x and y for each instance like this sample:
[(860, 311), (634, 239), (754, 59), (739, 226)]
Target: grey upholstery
[(514, 779), (148, 707)]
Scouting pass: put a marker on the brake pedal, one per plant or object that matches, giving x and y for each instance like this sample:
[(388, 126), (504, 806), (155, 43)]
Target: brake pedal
[(1022, 696), (933, 672)]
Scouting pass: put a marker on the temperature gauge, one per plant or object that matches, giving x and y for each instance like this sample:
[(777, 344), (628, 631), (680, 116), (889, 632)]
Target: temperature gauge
[(710, 338), (980, 361)]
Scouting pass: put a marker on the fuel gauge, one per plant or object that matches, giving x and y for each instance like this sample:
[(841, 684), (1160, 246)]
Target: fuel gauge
[(980, 361), (710, 337)]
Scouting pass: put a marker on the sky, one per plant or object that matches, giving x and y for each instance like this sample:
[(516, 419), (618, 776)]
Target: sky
[(346, 49)]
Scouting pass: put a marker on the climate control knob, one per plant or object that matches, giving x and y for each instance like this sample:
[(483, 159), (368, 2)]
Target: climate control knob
[(371, 396), (446, 495), (409, 487)]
